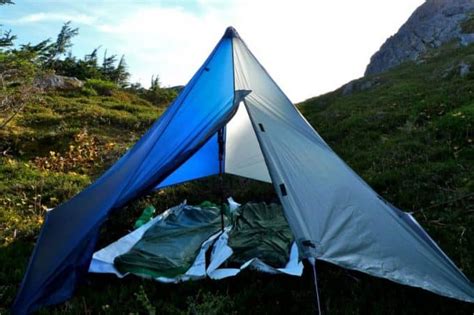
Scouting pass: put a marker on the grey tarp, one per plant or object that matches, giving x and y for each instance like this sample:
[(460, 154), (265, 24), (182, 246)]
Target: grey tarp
[(334, 215), (260, 231), (170, 246)]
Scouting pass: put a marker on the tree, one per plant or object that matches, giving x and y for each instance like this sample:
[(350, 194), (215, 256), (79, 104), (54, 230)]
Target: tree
[(136, 87), (92, 57), (158, 95), (155, 83), (64, 39), (120, 74), (62, 44), (88, 67), (108, 65), (7, 39), (39, 53), (16, 84), (46, 53)]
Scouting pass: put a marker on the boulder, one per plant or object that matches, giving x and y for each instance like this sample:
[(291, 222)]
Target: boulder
[(360, 85), (58, 82)]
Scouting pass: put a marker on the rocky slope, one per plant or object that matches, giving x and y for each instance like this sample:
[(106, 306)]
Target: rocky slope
[(434, 23)]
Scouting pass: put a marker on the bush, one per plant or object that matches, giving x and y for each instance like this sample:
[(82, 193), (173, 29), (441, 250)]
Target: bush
[(160, 96), (87, 91), (84, 154), (102, 87)]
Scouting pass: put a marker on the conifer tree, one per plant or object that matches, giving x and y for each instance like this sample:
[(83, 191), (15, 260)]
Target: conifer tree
[(155, 83), (7, 39), (64, 39), (108, 66), (121, 75)]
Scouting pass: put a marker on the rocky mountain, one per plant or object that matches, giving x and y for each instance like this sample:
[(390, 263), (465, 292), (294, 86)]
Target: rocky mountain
[(434, 23)]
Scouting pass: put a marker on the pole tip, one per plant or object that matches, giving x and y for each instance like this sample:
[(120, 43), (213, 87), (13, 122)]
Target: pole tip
[(230, 32)]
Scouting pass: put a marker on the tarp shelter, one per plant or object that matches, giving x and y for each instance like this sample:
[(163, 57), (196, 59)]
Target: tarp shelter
[(233, 118)]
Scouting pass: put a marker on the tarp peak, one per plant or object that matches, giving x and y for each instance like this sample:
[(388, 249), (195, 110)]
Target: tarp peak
[(230, 32)]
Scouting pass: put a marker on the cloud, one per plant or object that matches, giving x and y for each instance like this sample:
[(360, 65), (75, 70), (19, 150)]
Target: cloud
[(171, 42), (52, 17), (309, 47)]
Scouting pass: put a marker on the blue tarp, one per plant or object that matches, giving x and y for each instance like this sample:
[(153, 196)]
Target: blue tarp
[(67, 240), (203, 163)]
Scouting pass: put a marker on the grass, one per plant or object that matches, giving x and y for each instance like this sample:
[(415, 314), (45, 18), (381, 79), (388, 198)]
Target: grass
[(410, 136)]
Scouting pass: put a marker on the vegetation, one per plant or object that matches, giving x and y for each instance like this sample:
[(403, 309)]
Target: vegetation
[(57, 57), (156, 94), (16, 85), (22, 69), (408, 132)]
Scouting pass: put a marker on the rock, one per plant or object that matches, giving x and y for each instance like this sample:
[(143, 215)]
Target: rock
[(360, 85), (464, 69), (434, 23), (58, 82), (348, 88)]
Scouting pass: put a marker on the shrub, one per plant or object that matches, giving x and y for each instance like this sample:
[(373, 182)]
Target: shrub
[(160, 96), (86, 153), (102, 87), (87, 91)]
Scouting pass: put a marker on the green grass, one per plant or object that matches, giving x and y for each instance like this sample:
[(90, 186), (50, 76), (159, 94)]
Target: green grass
[(410, 137)]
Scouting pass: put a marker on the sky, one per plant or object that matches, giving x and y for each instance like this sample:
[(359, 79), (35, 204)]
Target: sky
[(309, 47)]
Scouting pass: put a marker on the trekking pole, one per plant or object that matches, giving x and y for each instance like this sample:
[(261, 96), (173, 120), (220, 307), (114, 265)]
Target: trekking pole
[(222, 201), (312, 261), (220, 139)]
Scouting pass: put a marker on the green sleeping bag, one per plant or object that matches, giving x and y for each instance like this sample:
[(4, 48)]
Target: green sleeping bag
[(260, 231), (170, 246)]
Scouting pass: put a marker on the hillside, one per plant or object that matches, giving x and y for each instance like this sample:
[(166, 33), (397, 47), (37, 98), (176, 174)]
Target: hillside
[(407, 132)]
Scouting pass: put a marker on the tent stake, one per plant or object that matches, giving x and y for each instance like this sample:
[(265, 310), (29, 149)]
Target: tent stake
[(312, 261)]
